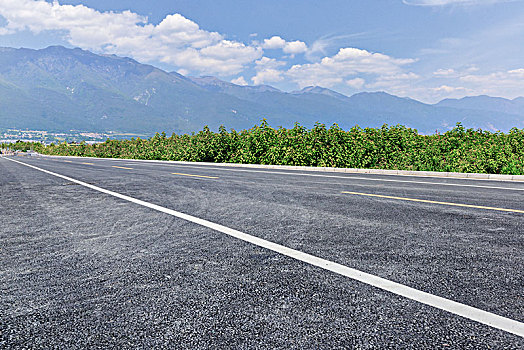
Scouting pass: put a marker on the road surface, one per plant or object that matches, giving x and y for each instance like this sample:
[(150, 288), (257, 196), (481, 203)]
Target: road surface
[(127, 254)]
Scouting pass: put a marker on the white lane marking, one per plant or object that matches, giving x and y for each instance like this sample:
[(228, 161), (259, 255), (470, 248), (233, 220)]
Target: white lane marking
[(451, 306), (349, 177)]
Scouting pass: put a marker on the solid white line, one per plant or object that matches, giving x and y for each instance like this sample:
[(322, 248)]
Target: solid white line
[(451, 306)]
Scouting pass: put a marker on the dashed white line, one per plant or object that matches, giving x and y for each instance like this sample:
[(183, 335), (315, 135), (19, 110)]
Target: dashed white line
[(451, 306)]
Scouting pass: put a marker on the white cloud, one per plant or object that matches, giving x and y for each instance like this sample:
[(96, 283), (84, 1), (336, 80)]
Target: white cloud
[(176, 40), (517, 72), (295, 47), (346, 64), (400, 76), (320, 47), (266, 63), (455, 73), (356, 83), (509, 84), (494, 78), (239, 81), (448, 89), (394, 82), (267, 76), (274, 42), (268, 71), (502, 83), (444, 72), (292, 47)]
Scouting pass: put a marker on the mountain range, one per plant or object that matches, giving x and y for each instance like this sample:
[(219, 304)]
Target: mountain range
[(62, 89)]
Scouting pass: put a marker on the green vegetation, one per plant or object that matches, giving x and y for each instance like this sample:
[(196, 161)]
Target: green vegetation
[(23, 146), (395, 147)]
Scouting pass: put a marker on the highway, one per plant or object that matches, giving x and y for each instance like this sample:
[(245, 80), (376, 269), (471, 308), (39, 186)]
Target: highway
[(127, 254)]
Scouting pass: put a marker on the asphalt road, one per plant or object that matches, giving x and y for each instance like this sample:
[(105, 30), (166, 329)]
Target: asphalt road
[(84, 269)]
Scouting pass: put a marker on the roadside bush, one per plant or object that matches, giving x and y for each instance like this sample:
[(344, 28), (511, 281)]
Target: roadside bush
[(388, 147)]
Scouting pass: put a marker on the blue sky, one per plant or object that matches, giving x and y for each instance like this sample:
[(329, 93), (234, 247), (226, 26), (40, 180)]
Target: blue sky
[(424, 49)]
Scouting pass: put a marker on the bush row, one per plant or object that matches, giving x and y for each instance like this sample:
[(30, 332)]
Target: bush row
[(389, 147)]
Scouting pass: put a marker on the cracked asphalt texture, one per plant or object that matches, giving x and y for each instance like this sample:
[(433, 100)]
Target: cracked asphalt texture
[(82, 269)]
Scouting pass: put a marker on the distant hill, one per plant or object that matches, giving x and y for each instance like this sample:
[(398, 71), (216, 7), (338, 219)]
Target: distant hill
[(60, 89), (486, 103)]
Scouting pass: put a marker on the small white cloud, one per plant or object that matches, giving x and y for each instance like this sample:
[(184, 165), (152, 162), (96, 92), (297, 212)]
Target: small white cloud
[(292, 47), (267, 76), (268, 71), (239, 81), (319, 48), (448, 89), (356, 83), (444, 72), (295, 47), (394, 82), (274, 42), (517, 72), (455, 73), (266, 63), (400, 76)]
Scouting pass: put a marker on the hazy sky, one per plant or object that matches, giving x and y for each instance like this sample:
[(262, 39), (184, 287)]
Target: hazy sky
[(425, 49)]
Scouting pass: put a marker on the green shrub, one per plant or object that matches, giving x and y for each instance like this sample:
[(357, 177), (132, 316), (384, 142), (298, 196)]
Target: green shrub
[(389, 147)]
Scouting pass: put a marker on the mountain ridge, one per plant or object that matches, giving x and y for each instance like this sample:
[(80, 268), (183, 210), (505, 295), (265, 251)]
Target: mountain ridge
[(59, 89)]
